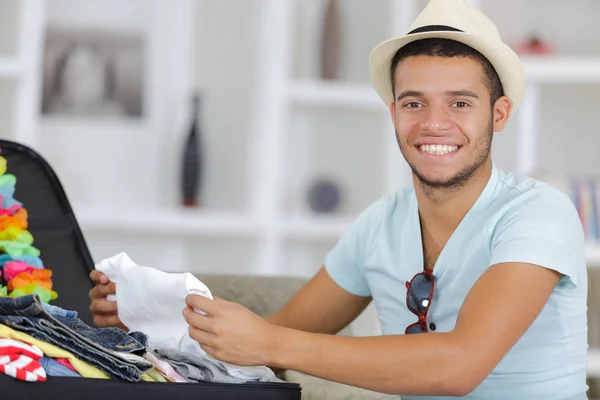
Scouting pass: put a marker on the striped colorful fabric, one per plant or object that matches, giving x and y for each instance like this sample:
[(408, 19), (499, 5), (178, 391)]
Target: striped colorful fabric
[(21, 360)]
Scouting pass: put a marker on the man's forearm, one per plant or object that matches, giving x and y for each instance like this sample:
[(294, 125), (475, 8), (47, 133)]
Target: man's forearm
[(421, 364)]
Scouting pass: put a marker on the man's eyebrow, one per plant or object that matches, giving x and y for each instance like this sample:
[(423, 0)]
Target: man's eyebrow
[(463, 93), (450, 93), (409, 93)]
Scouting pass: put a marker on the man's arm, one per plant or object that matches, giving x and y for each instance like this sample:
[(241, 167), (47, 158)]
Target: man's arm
[(496, 313), (320, 306), (502, 304)]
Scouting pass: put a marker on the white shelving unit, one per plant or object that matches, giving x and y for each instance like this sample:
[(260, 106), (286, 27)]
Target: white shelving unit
[(10, 68), (557, 69), (592, 252), (281, 94), (23, 23), (352, 96), (169, 223), (594, 363)]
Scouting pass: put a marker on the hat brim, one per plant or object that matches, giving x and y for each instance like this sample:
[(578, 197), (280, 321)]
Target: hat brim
[(505, 61)]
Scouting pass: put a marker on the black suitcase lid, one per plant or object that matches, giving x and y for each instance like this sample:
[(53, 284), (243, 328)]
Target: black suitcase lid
[(53, 225)]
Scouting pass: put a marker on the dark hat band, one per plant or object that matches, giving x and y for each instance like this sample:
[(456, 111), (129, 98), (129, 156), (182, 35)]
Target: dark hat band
[(433, 28)]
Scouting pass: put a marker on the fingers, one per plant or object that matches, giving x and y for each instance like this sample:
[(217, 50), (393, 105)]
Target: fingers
[(198, 321), (95, 276), (209, 306), (98, 277), (202, 337), (103, 307), (209, 350), (100, 291)]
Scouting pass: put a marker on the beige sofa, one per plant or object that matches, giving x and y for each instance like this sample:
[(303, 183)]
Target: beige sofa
[(265, 295)]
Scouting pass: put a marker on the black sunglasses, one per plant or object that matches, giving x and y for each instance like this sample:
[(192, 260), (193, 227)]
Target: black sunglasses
[(418, 299)]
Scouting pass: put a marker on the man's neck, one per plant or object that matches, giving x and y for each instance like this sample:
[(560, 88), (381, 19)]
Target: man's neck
[(441, 210)]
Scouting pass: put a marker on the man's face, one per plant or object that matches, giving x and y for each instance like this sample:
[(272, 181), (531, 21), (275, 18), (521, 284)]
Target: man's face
[(443, 119)]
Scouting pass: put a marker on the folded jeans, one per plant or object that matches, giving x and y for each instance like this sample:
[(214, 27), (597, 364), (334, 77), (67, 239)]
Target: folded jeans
[(105, 348)]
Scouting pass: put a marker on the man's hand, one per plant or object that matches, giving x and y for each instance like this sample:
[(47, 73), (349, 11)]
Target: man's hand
[(230, 332), (104, 311)]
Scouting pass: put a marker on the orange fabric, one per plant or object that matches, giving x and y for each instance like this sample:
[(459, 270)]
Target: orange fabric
[(19, 220), (40, 277)]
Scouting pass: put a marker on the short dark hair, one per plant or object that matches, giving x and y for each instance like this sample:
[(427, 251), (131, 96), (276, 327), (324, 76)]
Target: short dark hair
[(449, 48)]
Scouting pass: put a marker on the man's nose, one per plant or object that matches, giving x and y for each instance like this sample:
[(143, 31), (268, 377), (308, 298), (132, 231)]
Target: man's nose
[(436, 122)]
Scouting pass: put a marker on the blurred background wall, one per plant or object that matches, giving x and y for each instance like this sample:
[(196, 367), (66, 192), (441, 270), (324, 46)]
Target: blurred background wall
[(294, 141)]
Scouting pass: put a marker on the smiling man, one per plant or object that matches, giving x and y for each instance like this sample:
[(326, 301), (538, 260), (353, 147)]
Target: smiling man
[(478, 276)]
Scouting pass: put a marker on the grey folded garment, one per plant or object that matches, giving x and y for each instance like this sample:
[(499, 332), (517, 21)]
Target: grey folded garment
[(197, 368)]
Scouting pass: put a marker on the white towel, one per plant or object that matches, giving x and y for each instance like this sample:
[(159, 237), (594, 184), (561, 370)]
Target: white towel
[(152, 301)]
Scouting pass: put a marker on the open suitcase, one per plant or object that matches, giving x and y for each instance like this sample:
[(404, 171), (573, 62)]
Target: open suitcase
[(64, 251)]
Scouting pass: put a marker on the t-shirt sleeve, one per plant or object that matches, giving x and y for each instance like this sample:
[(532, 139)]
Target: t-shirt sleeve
[(344, 263), (542, 229)]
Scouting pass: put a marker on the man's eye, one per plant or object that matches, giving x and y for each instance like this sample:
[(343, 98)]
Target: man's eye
[(461, 104), (413, 104)]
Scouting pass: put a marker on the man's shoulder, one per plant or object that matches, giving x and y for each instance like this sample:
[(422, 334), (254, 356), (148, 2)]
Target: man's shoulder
[(534, 203), (523, 192)]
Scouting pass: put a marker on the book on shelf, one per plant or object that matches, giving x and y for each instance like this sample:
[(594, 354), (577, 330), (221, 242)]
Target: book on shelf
[(584, 192)]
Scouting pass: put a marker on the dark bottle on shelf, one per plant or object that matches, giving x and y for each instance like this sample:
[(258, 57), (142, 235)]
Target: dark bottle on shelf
[(331, 40), (191, 174)]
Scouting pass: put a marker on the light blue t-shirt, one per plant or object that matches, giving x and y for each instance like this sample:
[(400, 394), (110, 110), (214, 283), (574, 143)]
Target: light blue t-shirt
[(515, 219)]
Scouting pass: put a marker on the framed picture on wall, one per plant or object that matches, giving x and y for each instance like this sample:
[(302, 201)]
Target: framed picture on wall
[(93, 74)]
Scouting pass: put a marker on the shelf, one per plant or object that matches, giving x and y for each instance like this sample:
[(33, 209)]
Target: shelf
[(562, 69), (315, 227), (10, 68), (203, 222), (593, 368), (592, 254), (336, 94), (363, 96), (176, 222)]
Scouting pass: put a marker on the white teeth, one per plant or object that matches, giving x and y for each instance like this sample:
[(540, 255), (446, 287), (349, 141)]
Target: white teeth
[(438, 149)]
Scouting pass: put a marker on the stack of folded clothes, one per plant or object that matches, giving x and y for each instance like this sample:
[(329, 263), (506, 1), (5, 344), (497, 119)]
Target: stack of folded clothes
[(69, 346)]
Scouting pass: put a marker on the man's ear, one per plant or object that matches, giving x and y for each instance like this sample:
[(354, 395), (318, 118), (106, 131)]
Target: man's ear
[(393, 111), (501, 113)]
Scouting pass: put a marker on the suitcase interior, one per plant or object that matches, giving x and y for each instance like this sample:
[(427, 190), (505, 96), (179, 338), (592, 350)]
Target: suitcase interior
[(64, 251)]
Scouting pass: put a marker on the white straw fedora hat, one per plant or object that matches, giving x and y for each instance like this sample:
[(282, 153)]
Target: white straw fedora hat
[(456, 20)]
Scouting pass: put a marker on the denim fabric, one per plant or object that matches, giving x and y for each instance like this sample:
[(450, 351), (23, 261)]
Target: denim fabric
[(24, 306), (54, 368), (122, 347), (55, 310), (27, 314), (140, 337), (111, 338), (37, 328)]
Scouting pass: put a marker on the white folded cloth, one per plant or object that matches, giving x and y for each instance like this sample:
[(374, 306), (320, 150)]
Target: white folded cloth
[(151, 301)]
